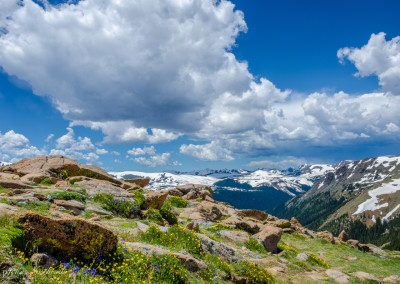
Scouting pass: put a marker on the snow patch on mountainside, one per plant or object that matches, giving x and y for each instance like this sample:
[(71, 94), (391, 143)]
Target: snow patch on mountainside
[(372, 204), (4, 164), (275, 179), (165, 180)]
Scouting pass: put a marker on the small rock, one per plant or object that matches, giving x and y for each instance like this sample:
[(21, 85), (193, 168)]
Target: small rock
[(392, 279), (352, 258), (325, 235), (43, 260), (295, 223), (269, 237), (39, 196), (373, 249), (235, 236), (155, 200), (281, 223), (189, 262), (302, 256), (338, 276), (343, 236), (6, 209), (354, 243), (363, 276), (193, 226), (288, 230), (175, 192), (254, 214), (142, 182)]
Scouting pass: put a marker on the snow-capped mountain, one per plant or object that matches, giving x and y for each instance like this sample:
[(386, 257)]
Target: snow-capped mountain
[(291, 182), (364, 189), (219, 174), (166, 180), (4, 164)]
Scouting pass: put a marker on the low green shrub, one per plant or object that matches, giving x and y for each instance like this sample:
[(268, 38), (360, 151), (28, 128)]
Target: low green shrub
[(178, 201), (253, 245), (253, 272), (67, 195), (176, 238), (4, 190), (315, 260), (168, 214), (46, 181), (139, 198), (153, 215)]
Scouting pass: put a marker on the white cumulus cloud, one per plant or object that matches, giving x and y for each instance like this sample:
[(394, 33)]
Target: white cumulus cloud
[(15, 146)]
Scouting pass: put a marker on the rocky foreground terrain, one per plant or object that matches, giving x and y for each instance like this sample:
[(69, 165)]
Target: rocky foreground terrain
[(65, 222)]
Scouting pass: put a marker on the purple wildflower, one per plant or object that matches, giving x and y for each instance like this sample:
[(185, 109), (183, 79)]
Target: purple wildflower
[(93, 272), (76, 269), (67, 265), (85, 271)]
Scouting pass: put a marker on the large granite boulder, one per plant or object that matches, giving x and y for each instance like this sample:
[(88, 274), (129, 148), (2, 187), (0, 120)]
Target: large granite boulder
[(68, 238), (194, 191), (55, 165)]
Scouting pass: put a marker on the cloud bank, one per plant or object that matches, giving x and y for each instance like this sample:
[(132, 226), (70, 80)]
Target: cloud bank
[(152, 71)]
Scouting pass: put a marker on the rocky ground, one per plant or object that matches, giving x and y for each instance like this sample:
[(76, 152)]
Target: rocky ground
[(66, 222)]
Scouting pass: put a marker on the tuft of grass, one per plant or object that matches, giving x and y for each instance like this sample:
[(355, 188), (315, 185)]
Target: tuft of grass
[(153, 215), (290, 250), (46, 181), (41, 207), (315, 260), (4, 190), (178, 201), (177, 238), (67, 195), (254, 245), (254, 273)]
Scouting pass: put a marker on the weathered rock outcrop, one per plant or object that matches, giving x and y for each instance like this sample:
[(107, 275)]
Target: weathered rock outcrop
[(53, 165), (142, 182), (226, 252), (193, 191), (68, 238)]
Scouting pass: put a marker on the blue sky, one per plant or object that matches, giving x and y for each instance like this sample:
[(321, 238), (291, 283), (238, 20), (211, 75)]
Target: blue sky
[(182, 85)]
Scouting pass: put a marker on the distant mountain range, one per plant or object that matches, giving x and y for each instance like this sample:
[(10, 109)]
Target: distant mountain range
[(4, 164), (362, 197), (261, 189)]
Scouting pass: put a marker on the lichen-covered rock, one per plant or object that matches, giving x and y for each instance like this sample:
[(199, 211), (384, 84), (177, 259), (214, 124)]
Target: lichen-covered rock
[(338, 276), (363, 276), (254, 214), (6, 183), (269, 238), (373, 249), (245, 225), (96, 186), (68, 238), (6, 209)]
